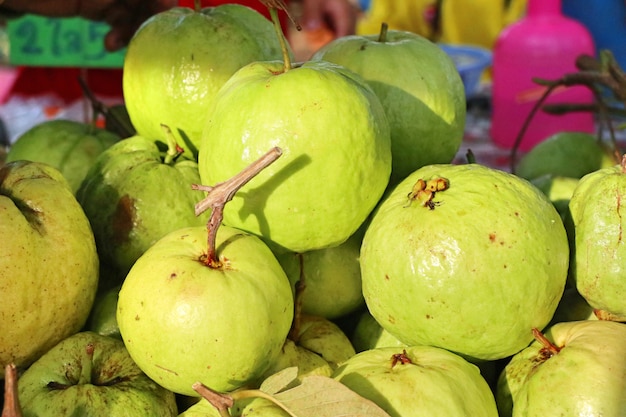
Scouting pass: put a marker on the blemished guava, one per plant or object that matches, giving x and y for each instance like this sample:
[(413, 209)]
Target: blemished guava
[(419, 87), (133, 196), (579, 370), (599, 255), (464, 257), (418, 381), (185, 322), (336, 152), (565, 154), (49, 264), (178, 59), (68, 145)]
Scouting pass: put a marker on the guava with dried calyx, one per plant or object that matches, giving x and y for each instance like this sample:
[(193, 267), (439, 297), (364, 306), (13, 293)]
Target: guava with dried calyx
[(178, 59), (68, 145), (419, 87), (573, 369), (49, 264), (418, 381), (565, 154), (466, 258), (598, 251), (133, 195), (330, 278), (336, 152)]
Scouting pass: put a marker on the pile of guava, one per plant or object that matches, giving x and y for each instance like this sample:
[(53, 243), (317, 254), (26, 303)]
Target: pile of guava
[(271, 237)]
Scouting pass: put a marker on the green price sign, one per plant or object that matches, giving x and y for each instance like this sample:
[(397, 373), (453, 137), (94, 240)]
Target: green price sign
[(60, 42)]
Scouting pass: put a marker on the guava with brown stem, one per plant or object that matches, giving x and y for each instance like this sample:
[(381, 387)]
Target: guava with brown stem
[(329, 124), (207, 303), (465, 258), (573, 369), (599, 256)]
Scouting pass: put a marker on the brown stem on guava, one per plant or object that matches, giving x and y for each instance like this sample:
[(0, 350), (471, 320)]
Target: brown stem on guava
[(173, 149), (221, 402), (273, 7), (11, 406), (548, 347), (197, 5), (294, 332), (382, 35), (401, 358), (222, 193)]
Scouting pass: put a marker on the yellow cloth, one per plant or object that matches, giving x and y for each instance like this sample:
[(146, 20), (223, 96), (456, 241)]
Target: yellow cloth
[(474, 22)]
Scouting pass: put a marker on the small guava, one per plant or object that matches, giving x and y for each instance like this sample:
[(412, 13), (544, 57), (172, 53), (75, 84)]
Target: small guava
[(68, 145), (464, 257), (565, 154)]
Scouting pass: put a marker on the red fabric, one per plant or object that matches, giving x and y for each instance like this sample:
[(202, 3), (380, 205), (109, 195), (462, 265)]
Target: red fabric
[(102, 82)]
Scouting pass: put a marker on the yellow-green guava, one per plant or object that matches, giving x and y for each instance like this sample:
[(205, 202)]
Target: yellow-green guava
[(419, 87), (330, 278), (49, 263), (599, 255), (464, 257), (178, 59), (69, 146), (185, 322), (576, 369), (418, 381), (336, 153), (565, 154)]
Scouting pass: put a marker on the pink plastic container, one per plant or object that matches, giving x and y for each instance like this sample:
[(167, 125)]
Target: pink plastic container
[(543, 44)]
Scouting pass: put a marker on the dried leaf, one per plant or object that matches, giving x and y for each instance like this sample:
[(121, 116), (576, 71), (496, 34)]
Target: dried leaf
[(280, 381), (321, 396)]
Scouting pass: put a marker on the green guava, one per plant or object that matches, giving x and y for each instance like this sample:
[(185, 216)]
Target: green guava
[(331, 278), (565, 154), (420, 89), (49, 264), (558, 189), (87, 374), (133, 195), (418, 381), (68, 145), (578, 369), (336, 153), (178, 59), (183, 321), (464, 257), (599, 255)]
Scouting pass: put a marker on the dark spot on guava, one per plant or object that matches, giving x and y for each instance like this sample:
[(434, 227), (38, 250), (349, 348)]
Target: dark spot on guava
[(492, 237), (428, 316), (505, 266), (137, 317), (173, 275), (517, 214), (123, 219), (391, 319), (386, 277)]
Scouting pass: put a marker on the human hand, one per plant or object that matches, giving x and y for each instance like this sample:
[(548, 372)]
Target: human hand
[(339, 16), (124, 16)]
